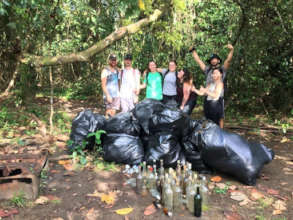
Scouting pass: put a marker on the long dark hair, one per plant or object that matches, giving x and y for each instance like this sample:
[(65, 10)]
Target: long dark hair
[(187, 75), (148, 69)]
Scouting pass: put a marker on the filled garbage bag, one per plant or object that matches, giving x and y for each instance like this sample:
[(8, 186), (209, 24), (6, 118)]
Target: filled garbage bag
[(84, 123), (164, 146), (231, 154), (193, 155), (153, 116), (123, 123), (122, 148), (145, 110)]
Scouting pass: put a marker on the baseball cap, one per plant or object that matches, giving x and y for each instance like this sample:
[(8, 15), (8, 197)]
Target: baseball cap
[(128, 57), (112, 57)]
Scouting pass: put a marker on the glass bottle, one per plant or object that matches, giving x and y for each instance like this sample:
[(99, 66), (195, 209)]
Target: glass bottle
[(197, 203), (177, 197), (139, 181), (151, 180), (190, 193), (204, 190), (144, 191), (168, 198), (161, 171)]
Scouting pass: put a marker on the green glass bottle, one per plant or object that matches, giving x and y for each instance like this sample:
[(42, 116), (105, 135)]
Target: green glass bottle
[(197, 203)]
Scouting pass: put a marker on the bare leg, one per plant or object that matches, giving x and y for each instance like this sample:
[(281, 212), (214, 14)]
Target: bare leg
[(221, 123), (110, 113)]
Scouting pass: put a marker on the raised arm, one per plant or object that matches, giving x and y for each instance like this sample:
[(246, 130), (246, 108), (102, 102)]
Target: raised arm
[(229, 57), (197, 59), (143, 85)]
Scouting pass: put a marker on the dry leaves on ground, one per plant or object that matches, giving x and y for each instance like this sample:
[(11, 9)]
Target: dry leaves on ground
[(124, 211), (279, 206), (151, 209), (232, 216), (67, 164), (238, 196), (42, 200), (216, 179), (256, 195), (109, 198), (7, 213)]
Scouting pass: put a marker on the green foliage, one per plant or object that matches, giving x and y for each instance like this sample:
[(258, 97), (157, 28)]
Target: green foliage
[(19, 200)]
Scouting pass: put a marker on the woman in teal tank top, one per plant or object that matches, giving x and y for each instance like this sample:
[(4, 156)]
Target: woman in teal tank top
[(153, 82)]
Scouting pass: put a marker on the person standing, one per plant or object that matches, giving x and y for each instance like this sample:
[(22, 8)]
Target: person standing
[(129, 85), (189, 97), (214, 62), (110, 87), (213, 106), (171, 83), (153, 81)]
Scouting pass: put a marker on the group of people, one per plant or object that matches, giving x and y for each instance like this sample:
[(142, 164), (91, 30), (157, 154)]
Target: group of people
[(121, 87)]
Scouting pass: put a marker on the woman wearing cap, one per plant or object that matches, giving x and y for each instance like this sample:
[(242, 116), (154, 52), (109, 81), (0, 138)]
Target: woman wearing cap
[(214, 62), (152, 82), (213, 106), (188, 101)]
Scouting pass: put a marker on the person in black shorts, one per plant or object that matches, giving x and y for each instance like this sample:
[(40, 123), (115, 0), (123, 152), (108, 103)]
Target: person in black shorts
[(213, 106), (214, 62)]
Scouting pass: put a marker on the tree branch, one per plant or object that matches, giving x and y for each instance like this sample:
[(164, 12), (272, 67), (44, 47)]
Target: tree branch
[(98, 47)]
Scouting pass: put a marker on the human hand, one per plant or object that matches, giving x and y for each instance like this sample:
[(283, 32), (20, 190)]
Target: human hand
[(180, 74), (109, 99), (191, 49), (181, 107), (230, 46)]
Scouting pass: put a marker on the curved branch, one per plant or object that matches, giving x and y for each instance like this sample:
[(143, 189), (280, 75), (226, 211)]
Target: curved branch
[(96, 48), (243, 21)]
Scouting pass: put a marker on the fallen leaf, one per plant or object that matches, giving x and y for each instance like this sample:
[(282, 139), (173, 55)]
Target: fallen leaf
[(244, 202), (62, 162), (124, 211), (7, 213), (273, 192), (256, 195), (280, 205), (42, 200), (277, 212), (284, 140), (109, 198), (92, 214), (216, 179), (284, 183), (232, 216), (211, 186), (221, 185), (238, 196), (151, 209), (232, 187)]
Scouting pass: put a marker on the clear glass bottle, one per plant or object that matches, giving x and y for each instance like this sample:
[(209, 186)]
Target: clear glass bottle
[(177, 197), (204, 190), (190, 193), (168, 198), (139, 181), (151, 180), (161, 171), (144, 190)]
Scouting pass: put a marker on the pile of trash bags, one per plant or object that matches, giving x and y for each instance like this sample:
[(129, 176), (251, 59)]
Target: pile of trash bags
[(154, 131)]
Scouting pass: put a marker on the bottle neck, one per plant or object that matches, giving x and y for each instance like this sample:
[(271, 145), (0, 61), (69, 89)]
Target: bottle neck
[(197, 190)]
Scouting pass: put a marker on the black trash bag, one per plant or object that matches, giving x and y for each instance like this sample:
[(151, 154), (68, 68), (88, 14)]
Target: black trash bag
[(164, 146), (84, 123), (122, 148), (231, 154), (123, 123), (145, 110)]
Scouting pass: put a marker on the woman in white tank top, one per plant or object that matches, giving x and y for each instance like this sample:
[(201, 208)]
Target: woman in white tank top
[(213, 106)]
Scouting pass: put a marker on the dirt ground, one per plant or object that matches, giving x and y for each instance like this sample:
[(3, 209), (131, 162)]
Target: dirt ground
[(68, 190)]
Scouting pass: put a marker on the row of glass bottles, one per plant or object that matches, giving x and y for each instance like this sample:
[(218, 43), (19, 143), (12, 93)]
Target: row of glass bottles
[(171, 186)]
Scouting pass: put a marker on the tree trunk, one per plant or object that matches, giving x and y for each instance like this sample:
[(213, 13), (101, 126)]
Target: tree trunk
[(98, 47)]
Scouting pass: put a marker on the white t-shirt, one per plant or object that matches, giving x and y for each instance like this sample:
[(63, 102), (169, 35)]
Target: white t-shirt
[(130, 79)]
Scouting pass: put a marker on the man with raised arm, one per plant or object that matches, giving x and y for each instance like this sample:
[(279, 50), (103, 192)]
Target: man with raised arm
[(214, 62)]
